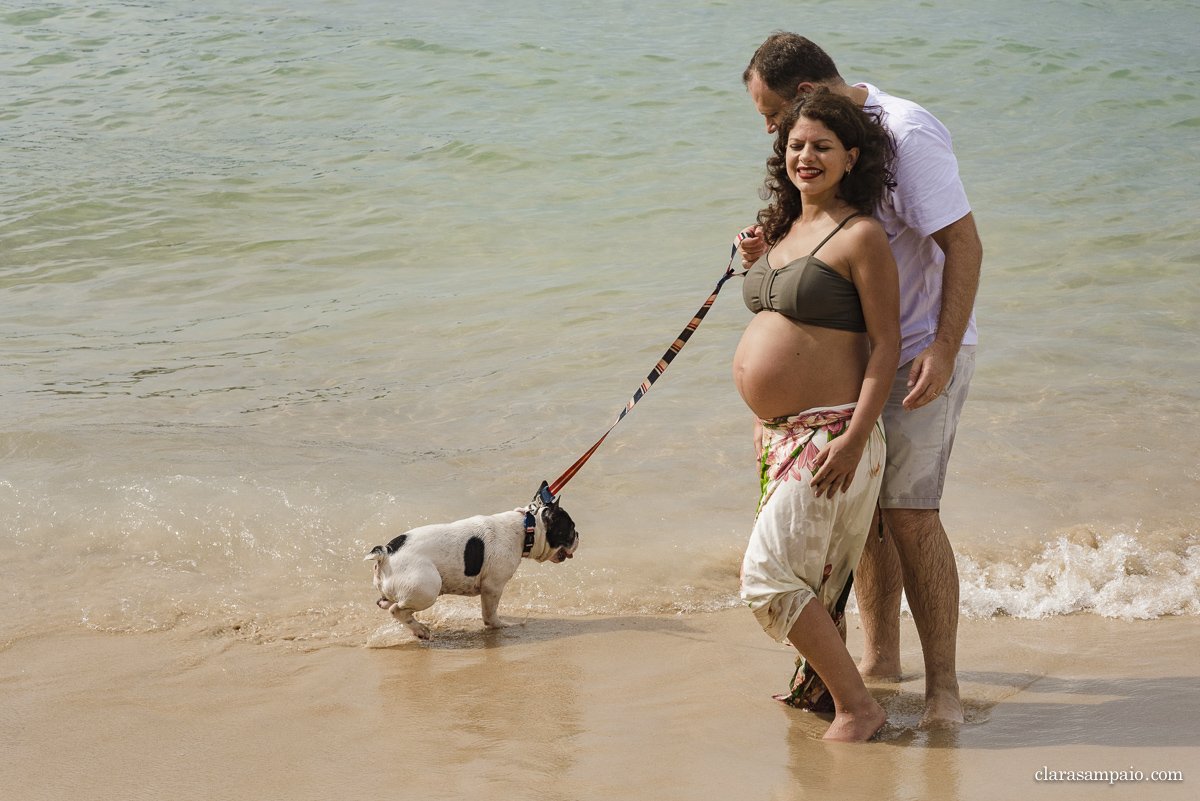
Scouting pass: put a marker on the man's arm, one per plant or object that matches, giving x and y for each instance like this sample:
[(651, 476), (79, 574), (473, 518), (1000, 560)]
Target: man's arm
[(934, 366)]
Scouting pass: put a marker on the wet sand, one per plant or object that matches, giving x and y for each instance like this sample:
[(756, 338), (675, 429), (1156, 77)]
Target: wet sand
[(671, 707)]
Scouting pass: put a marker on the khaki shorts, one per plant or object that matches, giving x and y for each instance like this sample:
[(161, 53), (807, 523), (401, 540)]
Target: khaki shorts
[(919, 442)]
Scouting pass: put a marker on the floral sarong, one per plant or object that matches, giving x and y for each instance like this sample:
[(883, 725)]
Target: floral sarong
[(802, 546)]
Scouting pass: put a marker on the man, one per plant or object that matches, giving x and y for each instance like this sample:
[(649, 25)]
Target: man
[(933, 237)]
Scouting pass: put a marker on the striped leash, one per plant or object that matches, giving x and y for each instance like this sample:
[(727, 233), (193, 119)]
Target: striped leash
[(547, 492)]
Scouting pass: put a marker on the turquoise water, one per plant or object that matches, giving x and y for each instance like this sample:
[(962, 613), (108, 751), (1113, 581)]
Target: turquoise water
[(283, 281)]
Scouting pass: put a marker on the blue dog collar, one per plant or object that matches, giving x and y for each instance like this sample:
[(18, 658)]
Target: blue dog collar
[(543, 497)]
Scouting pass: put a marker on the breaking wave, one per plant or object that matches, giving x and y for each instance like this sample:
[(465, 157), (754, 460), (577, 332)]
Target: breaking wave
[(1117, 574)]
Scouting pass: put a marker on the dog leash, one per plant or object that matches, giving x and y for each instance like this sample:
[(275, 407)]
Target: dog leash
[(547, 492)]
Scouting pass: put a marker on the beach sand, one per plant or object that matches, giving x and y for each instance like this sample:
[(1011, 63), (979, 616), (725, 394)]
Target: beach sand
[(670, 707)]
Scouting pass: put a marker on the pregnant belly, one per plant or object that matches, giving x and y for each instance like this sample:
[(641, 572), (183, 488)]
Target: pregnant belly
[(782, 367)]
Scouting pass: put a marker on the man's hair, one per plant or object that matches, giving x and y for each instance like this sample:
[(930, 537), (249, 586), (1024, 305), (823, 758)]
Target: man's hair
[(786, 60)]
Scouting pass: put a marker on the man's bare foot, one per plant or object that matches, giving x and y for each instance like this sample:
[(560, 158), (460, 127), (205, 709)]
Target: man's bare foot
[(858, 725), (943, 710), (879, 671)]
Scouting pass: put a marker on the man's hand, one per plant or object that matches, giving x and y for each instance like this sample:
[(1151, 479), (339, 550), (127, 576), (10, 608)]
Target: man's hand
[(753, 246), (934, 367), (931, 372)]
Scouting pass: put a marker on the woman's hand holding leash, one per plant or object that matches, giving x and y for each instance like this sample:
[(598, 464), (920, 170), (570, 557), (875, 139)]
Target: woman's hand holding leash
[(753, 246)]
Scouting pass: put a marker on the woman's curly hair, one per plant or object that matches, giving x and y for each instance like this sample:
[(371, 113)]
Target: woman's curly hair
[(862, 187)]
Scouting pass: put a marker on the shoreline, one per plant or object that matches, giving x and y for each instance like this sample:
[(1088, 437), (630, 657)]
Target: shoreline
[(673, 706)]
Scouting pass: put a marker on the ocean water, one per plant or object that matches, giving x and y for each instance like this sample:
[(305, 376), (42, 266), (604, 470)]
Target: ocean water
[(282, 281)]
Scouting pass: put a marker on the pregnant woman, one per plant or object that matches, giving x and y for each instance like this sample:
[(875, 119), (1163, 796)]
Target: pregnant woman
[(815, 366)]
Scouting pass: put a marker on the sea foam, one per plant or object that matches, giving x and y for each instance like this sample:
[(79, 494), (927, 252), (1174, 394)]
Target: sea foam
[(1128, 575)]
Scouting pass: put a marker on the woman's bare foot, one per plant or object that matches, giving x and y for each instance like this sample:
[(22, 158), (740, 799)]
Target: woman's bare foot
[(943, 710), (857, 725)]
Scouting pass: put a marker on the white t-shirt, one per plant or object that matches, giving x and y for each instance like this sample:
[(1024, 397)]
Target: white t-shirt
[(927, 197)]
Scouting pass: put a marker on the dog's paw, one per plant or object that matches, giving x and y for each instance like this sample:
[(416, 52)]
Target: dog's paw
[(496, 623), (419, 629)]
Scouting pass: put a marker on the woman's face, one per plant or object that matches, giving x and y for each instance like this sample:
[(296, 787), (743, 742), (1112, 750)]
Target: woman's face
[(816, 160)]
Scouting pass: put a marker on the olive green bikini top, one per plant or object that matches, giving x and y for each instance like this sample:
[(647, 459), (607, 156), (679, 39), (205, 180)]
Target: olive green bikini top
[(807, 290)]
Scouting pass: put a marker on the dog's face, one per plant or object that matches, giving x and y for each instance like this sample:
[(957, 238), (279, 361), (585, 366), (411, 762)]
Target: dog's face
[(560, 533)]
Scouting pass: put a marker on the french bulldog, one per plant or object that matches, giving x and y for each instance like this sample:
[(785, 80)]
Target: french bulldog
[(475, 556)]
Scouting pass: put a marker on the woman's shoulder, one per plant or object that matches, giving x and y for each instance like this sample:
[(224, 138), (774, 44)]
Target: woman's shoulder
[(865, 228), (867, 242)]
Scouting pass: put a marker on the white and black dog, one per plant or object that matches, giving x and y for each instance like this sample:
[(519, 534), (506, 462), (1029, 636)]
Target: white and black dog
[(476, 556)]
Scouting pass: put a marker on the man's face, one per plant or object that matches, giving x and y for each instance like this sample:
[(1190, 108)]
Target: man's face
[(769, 104)]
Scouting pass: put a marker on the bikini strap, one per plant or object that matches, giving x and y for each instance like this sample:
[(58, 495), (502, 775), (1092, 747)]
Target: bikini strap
[(834, 231)]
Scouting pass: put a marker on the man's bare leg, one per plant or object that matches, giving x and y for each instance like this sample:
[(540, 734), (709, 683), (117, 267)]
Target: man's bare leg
[(931, 585), (878, 584), (857, 714)]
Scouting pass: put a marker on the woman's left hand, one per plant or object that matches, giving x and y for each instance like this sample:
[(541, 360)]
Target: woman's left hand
[(835, 466)]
